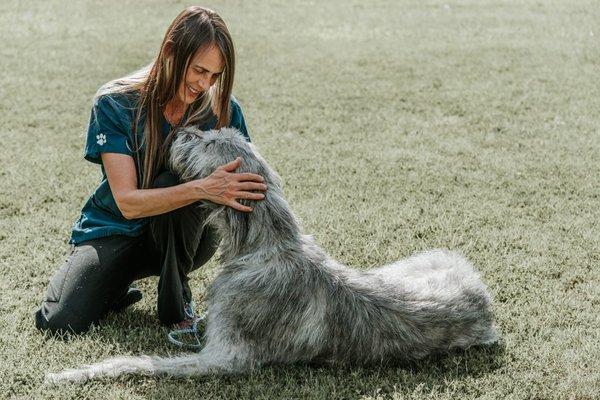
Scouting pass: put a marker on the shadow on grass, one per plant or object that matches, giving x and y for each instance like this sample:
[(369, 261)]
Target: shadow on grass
[(134, 330), (432, 375)]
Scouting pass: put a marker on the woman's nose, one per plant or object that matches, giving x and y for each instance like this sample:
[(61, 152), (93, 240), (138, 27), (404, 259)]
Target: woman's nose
[(204, 84)]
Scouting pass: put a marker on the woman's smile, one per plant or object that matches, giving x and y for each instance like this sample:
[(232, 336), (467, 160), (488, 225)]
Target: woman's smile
[(193, 91)]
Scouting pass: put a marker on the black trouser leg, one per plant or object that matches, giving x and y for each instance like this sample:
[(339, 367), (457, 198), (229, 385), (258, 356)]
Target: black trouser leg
[(94, 275), (184, 245)]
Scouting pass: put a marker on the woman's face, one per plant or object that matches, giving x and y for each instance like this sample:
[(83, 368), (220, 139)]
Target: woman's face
[(205, 67)]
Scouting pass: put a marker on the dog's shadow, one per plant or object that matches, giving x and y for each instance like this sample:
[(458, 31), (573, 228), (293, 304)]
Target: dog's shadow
[(453, 372), (138, 332), (429, 376)]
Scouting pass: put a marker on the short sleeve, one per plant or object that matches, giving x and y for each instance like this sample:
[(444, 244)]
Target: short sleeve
[(108, 130), (237, 118)]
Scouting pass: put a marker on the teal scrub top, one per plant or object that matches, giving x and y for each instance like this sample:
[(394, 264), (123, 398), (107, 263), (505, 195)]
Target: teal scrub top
[(110, 131)]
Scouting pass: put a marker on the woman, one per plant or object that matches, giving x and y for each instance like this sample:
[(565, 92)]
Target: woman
[(141, 221)]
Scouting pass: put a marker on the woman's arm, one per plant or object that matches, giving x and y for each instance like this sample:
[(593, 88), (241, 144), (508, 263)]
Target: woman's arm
[(222, 187)]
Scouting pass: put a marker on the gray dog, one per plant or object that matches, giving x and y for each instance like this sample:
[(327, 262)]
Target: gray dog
[(280, 298)]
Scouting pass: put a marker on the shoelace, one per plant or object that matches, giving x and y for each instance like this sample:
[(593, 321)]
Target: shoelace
[(174, 336)]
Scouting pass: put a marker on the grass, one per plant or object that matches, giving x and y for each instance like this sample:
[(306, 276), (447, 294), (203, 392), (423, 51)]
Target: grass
[(396, 126)]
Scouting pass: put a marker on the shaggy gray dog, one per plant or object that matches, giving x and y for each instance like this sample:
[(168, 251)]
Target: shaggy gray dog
[(280, 298)]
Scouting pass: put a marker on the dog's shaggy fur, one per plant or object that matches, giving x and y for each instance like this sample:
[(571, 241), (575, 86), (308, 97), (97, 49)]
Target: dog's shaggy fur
[(280, 298)]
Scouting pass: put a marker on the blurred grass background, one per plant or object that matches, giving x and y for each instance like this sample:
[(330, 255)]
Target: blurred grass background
[(397, 126)]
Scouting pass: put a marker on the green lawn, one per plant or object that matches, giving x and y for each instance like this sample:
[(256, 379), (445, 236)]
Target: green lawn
[(397, 126)]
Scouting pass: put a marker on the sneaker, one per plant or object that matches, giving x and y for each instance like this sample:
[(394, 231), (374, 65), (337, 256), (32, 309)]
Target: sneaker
[(132, 296)]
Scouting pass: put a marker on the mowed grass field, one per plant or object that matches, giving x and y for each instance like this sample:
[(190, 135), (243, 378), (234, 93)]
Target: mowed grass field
[(397, 126)]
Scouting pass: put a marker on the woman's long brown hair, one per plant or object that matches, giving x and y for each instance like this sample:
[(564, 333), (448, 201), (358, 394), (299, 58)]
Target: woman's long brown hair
[(195, 28)]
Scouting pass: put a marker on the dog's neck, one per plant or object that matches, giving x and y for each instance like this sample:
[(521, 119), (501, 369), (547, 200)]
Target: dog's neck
[(271, 226)]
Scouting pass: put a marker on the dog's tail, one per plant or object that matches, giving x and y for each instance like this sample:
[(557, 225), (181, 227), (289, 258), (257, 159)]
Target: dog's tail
[(145, 365)]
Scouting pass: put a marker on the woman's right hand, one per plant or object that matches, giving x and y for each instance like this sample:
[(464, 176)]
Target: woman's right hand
[(224, 186)]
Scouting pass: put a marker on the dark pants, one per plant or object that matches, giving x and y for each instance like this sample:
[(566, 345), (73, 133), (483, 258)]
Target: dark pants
[(98, 272)]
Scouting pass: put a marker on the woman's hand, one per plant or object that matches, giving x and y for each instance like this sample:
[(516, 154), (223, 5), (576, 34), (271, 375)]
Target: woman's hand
[(225, 187)]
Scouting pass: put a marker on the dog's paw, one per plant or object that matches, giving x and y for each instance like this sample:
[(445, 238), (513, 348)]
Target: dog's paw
[(66, 376), (51, 379)]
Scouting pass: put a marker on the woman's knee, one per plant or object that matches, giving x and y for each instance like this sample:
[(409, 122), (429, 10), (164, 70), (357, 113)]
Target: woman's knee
[(58, 318), (83, 289), (207, 247)]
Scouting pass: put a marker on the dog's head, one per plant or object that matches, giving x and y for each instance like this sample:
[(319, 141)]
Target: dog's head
[(196, 154)]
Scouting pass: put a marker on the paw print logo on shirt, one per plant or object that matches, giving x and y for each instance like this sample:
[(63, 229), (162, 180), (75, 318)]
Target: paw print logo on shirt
[(101, 139)]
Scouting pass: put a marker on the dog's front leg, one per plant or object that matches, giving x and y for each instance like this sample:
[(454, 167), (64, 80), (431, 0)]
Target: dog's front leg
[(219, 356)]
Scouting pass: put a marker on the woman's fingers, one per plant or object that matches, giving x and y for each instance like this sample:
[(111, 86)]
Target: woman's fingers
[(249, 177), (240, 207), (232, 165), (244, 195), (243, 184), (246, 176), (249, 195), (251, 186)]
